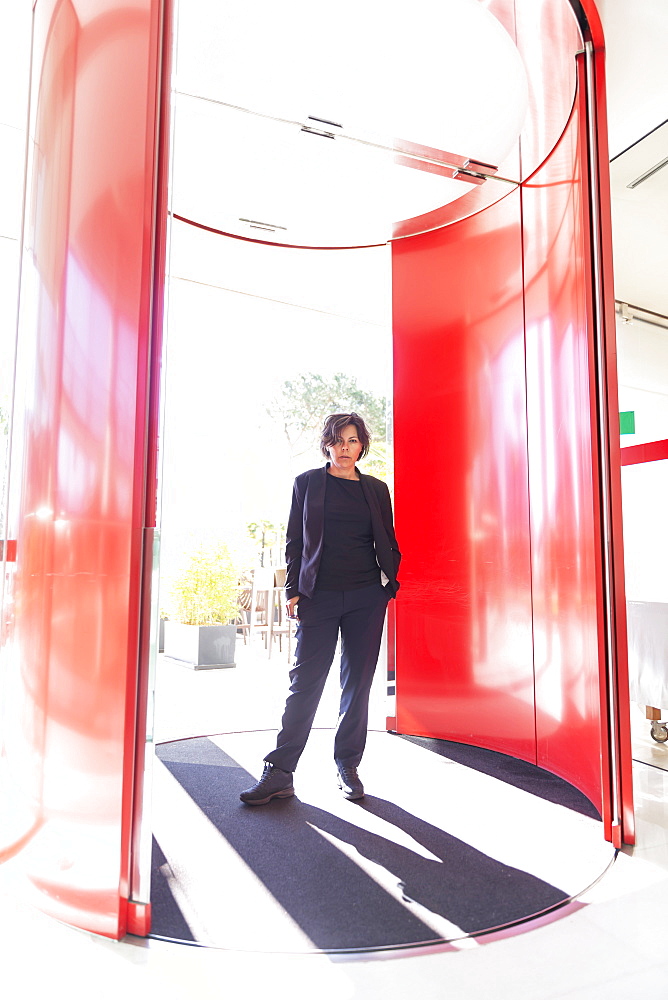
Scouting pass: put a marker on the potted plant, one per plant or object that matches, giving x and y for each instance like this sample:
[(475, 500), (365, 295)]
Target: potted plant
[(201, 629)]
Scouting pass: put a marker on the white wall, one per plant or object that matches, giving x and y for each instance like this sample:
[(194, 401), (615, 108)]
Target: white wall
[(643, 388), (635, 41), (642, 361)]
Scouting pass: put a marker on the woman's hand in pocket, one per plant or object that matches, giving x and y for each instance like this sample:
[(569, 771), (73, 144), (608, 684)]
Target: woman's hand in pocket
[(292, 607)]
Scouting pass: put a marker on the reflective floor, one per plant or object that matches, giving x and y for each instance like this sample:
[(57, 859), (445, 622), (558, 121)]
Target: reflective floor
[(614, 946)]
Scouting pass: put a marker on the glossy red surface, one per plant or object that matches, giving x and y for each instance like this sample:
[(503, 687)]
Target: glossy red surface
[(652, 451), (501, 631), (8, 555), (565, 573), (547, 37), (463, 620), (77, 504)]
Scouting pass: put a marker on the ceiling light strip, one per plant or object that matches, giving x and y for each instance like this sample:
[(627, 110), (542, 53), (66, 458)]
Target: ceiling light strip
[(648, 173), (262, 225)]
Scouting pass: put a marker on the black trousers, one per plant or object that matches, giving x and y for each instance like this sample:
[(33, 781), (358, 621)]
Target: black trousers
[(358, 615)]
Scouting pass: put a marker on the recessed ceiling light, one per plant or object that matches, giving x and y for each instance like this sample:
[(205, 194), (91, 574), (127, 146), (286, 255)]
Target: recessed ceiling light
[(648, 173)]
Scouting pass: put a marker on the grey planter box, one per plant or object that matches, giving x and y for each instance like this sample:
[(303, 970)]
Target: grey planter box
[(203, 647)]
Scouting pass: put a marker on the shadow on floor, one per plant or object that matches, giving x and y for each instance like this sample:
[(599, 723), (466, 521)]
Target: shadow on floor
[(334, 901)]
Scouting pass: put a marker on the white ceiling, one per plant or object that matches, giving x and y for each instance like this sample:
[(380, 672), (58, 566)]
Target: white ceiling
[(636, 36), (364, 82), (636, 39), (640, 222)]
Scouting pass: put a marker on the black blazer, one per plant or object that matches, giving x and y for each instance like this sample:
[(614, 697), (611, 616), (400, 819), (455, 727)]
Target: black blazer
[(306, 527)]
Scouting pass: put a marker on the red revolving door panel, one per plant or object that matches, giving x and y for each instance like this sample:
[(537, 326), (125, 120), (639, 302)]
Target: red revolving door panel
[(77, 488), (463, 618), (507, 499)]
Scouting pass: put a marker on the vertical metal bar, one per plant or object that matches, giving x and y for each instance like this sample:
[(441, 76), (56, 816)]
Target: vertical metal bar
[(604, 451), (141, 853)]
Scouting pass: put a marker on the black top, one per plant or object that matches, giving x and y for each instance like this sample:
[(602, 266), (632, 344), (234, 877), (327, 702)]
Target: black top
[(306, 529), (348, 559)]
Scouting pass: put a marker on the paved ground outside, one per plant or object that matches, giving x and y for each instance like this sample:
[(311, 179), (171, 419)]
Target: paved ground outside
[(249, 696)]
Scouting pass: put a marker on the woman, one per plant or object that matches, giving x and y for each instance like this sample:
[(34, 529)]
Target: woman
[(342, 561)]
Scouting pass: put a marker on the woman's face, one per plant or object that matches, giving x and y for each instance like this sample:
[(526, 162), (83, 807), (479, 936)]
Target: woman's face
[(346, 450)]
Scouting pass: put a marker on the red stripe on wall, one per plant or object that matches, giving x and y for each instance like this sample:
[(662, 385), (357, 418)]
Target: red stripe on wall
[(653, 451)]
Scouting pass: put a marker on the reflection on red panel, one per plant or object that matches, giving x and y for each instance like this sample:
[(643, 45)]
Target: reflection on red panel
[(547, 38), (498, 496), (77, 503), (565, 574), (463, 630)]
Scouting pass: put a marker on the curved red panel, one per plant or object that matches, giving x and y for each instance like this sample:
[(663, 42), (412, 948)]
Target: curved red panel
[(547, 36), (562, 463), (502, 636), (463, 620), (77, 504)]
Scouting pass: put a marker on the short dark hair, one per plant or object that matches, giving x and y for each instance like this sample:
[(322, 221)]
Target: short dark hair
[(335, 423)]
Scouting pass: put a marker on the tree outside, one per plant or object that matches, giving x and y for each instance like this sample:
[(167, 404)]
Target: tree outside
[(250, 518), (302, 403)]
